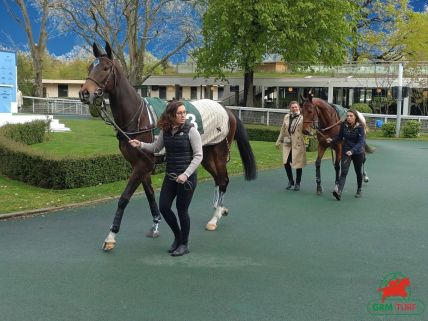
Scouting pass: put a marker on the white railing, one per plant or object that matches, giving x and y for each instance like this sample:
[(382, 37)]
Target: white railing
[(275, 117), (53, 106), (262, 116), (249, 115)]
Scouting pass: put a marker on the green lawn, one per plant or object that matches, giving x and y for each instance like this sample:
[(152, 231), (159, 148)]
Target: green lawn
[(87, 137), (90, 137)]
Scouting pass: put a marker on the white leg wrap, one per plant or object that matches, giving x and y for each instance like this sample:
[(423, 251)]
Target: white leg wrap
[(216, 196), (212, 224), (111, 238)]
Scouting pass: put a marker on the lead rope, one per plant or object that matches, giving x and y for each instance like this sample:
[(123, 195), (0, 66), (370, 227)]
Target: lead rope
[(113, 123)]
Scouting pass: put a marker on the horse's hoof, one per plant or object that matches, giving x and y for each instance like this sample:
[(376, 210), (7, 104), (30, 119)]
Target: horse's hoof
[(108, 246), (152, 234), (211, 227), (225, 211)]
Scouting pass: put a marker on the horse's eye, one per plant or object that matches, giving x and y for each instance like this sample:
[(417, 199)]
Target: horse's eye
[(106, 68)]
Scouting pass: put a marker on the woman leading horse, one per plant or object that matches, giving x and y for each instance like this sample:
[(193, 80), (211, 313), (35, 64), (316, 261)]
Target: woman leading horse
[(133, 119), (320, 116)]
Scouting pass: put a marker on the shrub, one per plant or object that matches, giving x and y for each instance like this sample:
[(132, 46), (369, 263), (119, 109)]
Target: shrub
[(311, 143), (262, 132), (33, 132), (388, 129), (362, 108), (411, 129), (94, 110)]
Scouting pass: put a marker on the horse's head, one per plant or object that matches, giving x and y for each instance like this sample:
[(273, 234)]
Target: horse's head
[(309, 112), (101, 77)]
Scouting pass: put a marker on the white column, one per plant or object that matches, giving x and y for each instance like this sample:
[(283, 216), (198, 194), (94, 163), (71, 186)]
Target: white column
[(399, 98)]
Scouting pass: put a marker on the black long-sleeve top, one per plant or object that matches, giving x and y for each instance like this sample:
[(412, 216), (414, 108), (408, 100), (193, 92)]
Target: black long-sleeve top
[(353, 138)]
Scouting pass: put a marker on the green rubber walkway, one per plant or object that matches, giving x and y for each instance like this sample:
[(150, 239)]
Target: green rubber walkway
[(279, 255)]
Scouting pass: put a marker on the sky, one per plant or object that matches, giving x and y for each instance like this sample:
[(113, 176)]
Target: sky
[(13, 37)]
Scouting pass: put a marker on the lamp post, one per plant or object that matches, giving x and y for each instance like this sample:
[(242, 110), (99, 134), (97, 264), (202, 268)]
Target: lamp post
[(399, 99)]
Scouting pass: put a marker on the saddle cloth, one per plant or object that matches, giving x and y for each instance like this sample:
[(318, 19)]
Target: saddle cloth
[(208, 117), (341, 112)]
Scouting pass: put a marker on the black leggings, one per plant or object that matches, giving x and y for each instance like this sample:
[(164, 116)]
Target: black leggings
[(289, 172), (358, 160), (170, 190)]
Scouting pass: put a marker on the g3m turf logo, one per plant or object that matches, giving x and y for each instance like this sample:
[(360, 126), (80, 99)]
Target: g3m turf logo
[(395, 293)]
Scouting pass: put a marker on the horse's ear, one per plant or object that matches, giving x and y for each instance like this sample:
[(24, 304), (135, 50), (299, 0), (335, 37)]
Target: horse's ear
[(108, 51), (96, 50), (302, 98)]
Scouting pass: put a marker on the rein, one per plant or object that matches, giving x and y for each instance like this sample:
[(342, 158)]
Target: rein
[(113, 123)]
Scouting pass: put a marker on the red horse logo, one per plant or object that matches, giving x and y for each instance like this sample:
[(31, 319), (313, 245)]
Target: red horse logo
[(395, 287)]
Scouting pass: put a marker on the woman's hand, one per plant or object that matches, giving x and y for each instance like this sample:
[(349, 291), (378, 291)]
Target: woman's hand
[(328, 140), (349, 153), (181, 179), (135, 143)]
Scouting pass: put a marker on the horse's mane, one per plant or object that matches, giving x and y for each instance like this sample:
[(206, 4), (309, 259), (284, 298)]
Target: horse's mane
[(330, 109)]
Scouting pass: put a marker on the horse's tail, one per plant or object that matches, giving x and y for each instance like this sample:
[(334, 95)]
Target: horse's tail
[(245, 150), (368, 149)]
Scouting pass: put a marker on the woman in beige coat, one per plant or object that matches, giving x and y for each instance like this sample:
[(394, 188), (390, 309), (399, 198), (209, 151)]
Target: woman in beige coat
[(293, 145)]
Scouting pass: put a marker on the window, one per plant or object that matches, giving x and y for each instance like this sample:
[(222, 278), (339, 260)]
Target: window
[(162, 92), (145, 91), (178, 92), (193, 92), (62, 90), (220, 90)]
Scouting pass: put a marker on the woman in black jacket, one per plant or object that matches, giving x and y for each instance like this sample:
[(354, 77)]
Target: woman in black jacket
[(183, 148), (353, 136)]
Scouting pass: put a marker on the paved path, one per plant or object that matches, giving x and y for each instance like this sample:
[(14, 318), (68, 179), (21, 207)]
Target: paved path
[(279, 255)]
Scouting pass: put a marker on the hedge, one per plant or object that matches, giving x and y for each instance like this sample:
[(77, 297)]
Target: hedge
[(18, 162), (270, 134), (411, 129), (362, 108), (36, 131)]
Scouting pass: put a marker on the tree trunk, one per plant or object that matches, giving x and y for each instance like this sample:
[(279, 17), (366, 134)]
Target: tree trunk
[(37, 49), (38, 75), (248, 88), (131, 15)]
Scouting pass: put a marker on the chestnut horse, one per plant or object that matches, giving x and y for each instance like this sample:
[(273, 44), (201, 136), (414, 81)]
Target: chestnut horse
[(320, 116), (133, 118)]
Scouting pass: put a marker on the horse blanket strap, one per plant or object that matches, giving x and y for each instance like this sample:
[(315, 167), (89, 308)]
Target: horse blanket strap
[(208, 117)]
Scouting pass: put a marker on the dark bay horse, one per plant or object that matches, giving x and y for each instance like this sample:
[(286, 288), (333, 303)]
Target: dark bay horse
[(320, 116), (133, 118)]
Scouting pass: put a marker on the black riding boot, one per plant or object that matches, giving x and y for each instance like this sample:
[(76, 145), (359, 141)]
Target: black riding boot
[(338, 193), (290, 176), (358, 194), (298, 179)]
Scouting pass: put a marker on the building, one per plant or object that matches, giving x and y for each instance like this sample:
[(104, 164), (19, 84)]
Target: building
[(59, 88), (380, 93)]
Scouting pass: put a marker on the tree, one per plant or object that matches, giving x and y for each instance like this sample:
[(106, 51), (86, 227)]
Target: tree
[(413, 36), (25, 73), (132, 27), (375, 35), (37, 49), (237, 34)]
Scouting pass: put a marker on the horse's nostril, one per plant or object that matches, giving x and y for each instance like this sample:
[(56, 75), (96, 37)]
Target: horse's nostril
[(84, 96)]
